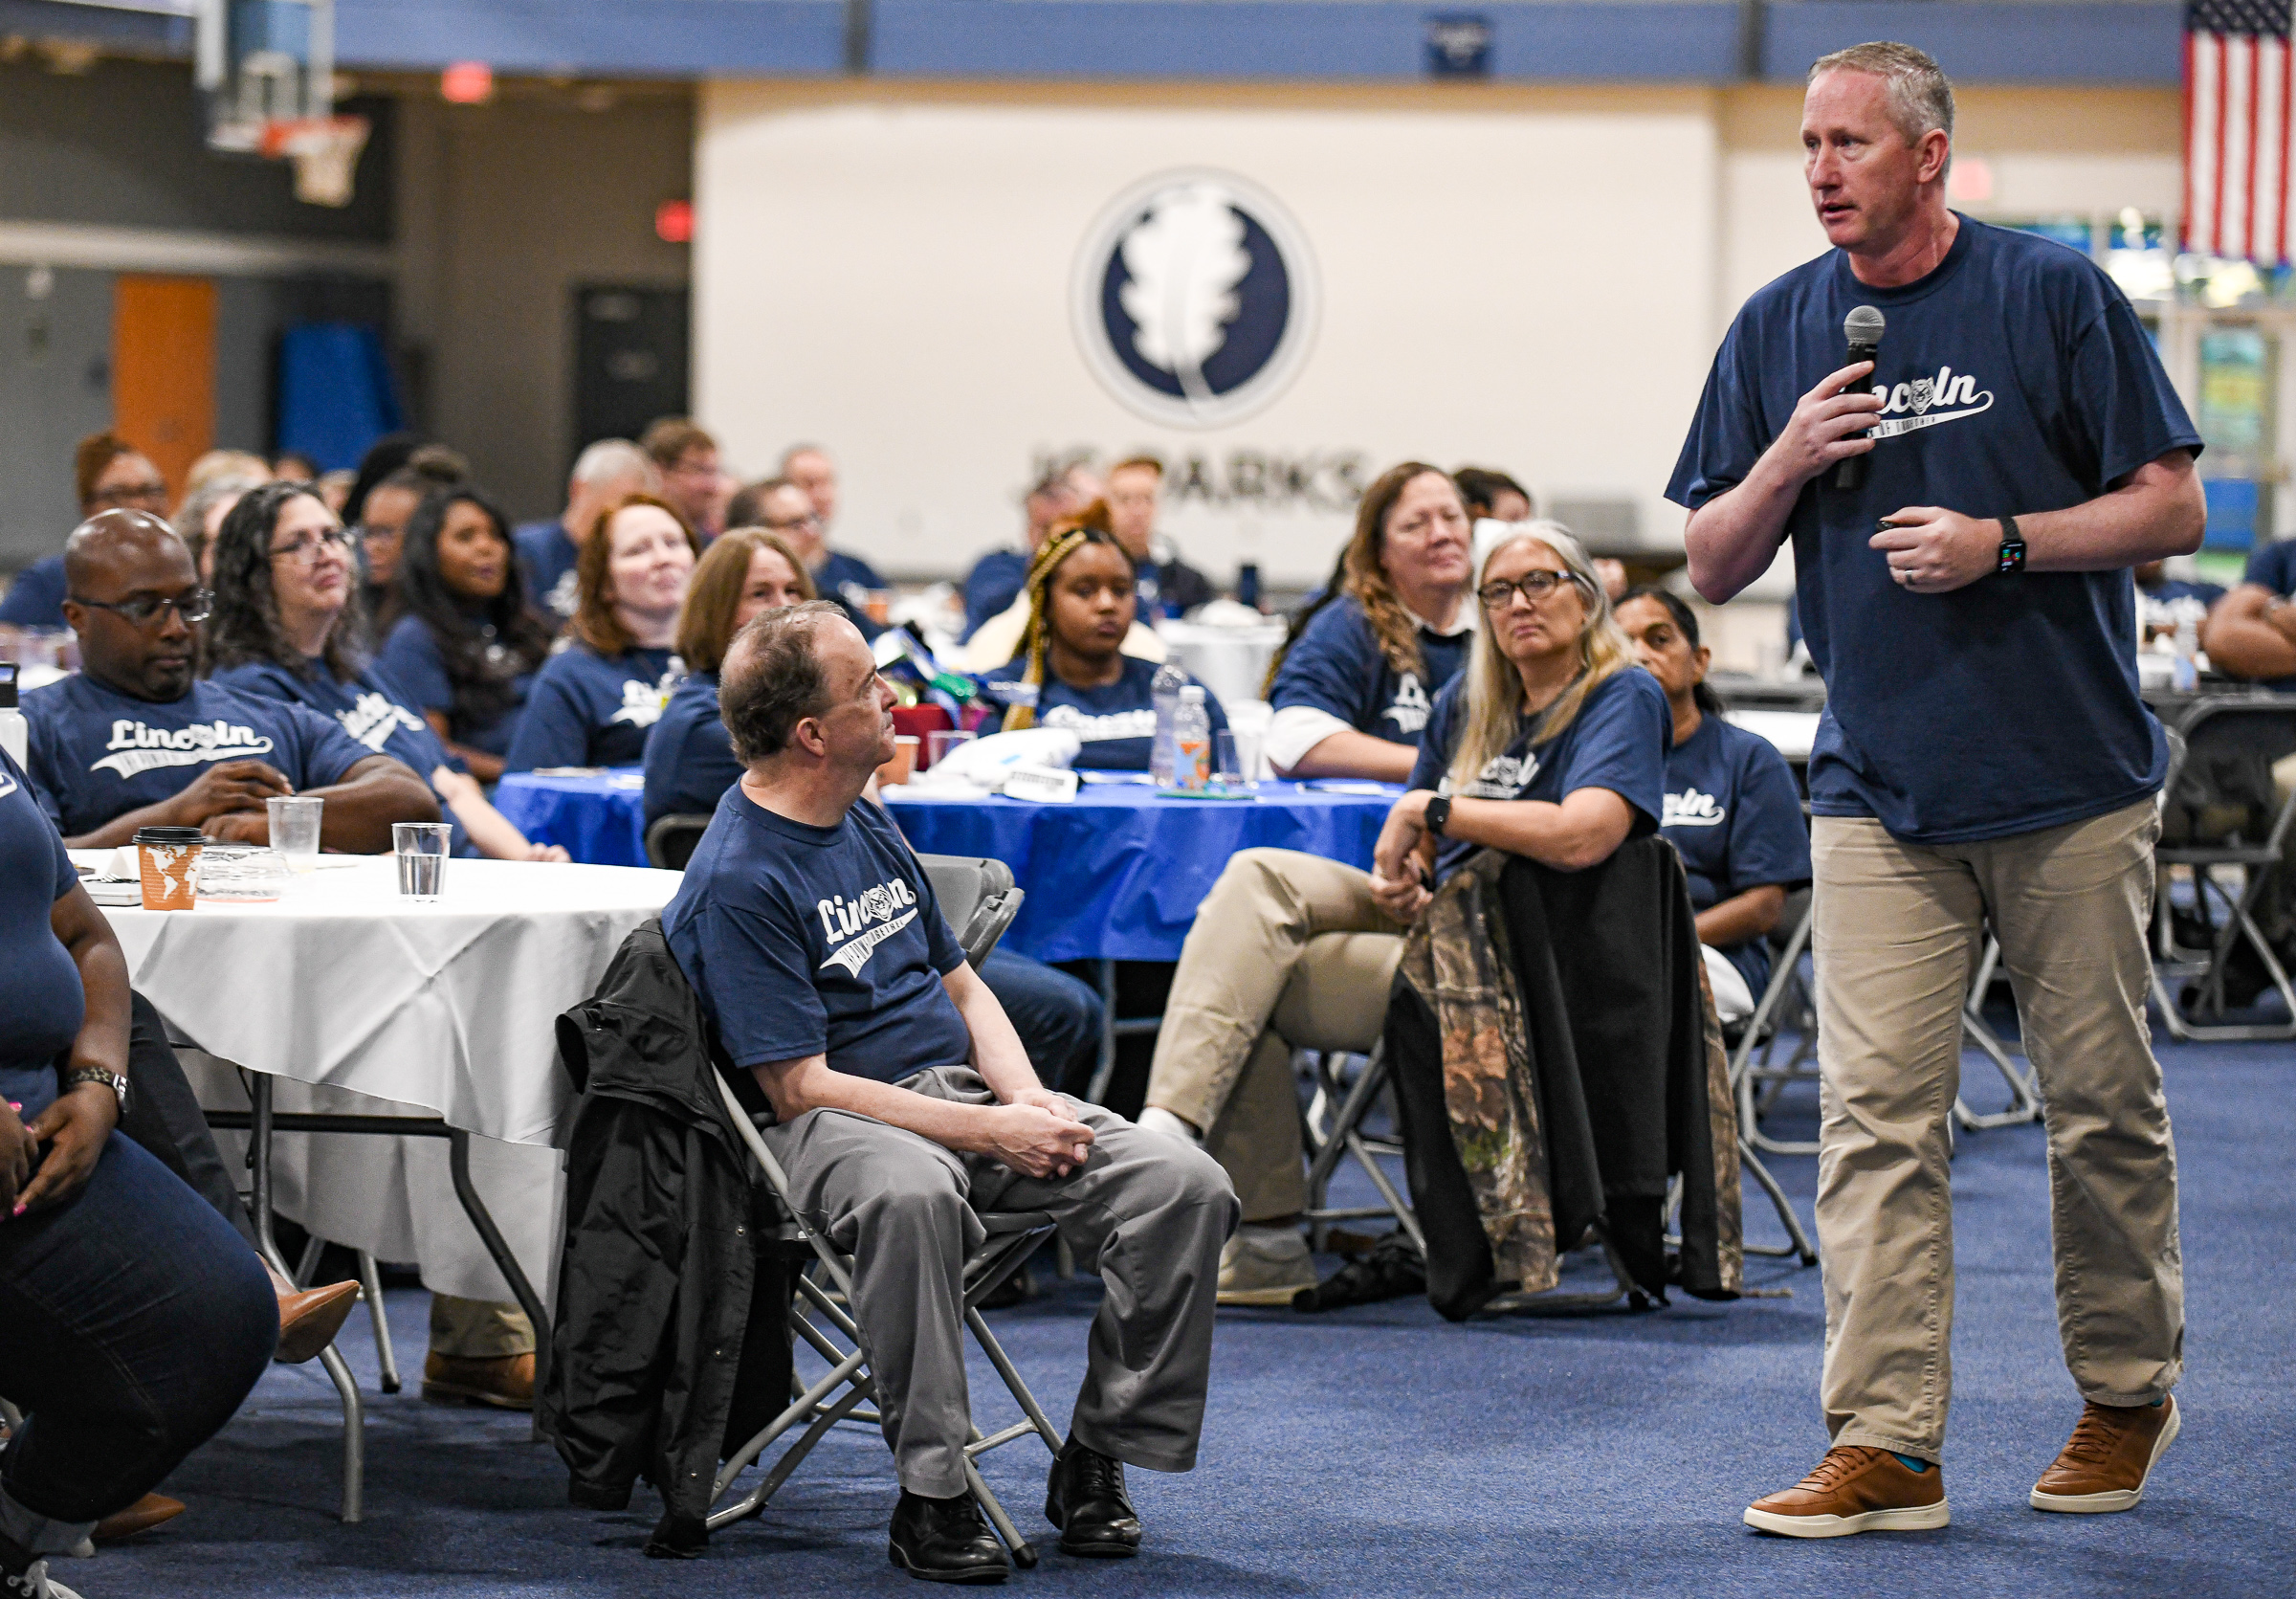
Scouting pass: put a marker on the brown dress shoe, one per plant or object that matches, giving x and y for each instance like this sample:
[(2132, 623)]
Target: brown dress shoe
[(309, 1320), (1854, 1489), (505, 1382), (142, 1515), (2105, 1464)]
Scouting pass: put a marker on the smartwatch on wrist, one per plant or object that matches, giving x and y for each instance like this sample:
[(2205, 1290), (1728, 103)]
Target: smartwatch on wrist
[(1438, 814), (2013, 549), (116, 1081)]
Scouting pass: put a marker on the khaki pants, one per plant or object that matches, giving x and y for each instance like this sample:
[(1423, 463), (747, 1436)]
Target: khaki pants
[(479, 1329), (1288, 952), (1896, 938)]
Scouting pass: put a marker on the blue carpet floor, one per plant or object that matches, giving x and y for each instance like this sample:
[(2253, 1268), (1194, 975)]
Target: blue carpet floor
[(1382, 1452)]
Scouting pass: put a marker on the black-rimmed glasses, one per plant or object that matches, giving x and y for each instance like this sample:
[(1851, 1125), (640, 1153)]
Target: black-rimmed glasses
[(144, 609)]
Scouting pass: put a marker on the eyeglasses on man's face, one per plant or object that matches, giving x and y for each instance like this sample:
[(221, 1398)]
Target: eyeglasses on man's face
[(149, 493), (1533, 585), (194, 606)]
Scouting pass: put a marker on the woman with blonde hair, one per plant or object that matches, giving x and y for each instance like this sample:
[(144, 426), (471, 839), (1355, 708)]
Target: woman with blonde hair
[(690, 760), (1072, 673), (597, 698), (1551, 744), (1357, 677)]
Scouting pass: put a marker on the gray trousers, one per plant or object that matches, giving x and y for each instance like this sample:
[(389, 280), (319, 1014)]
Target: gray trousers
[(1149, 1211)]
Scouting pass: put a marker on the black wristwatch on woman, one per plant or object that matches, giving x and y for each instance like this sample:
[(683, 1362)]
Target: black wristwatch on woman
[(116, 1081), (1438, 815)]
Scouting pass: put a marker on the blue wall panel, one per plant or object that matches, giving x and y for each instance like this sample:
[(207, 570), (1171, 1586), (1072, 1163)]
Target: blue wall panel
[(1293, 39), (2009, 42), (615, 38)]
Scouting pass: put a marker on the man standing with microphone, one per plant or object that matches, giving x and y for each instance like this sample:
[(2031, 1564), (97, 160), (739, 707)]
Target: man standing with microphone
[(1983, 757)]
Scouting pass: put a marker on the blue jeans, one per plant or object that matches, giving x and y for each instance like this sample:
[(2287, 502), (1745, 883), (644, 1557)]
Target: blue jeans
[(1057, 1016), (133, 1321)]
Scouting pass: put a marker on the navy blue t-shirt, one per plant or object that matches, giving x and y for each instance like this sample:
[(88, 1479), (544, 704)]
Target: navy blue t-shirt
[(1336, 666), (1116, 724), (1735, 816), (992, 586), (2019, 380), (37, 597), (42, 1003), (2274, 566), (97, 753), (817, 940), (591, 710), (369, 709), (411, 661), (689, 755), (1618, 740), (548, 557), (840, 571)]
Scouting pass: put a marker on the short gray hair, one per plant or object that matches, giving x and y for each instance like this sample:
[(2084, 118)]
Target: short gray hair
[(1920, 98), (772, 679), (610, 458)]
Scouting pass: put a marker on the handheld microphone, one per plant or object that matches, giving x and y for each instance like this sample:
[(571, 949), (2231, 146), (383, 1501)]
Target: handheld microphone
[(1862, 328)]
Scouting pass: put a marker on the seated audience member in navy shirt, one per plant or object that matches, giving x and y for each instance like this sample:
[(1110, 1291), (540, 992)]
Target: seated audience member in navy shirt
[(1985, 762), (595, 700), (820, 955), (836, 573), (996, 579), (1733, 811), (1072, 673), (745, 572), (782, 508), (134, 740), (1355, 682), (285, 627), (2166, 604), (2252, 632), (109, 473), (468, 647), (604, 473), (1550, 744)]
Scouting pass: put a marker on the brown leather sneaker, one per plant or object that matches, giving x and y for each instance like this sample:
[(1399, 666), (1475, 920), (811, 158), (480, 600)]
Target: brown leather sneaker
[(1854, 1489), (2104, 1465), (505, 1382)]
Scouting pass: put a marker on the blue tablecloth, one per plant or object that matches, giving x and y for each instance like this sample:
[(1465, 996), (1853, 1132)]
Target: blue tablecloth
[(599, 818), (1119, 870)]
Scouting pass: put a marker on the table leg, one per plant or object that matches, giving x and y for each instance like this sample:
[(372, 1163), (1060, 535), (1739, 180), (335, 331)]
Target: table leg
[(354, 1410), (458, 1143)]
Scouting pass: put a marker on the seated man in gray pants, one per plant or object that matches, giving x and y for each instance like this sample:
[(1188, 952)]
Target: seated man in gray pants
[(904, 1102)]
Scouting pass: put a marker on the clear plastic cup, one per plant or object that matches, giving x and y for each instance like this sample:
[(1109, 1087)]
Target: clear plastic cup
[(1227, 771), (294, 830), (421, 848), (941, 741)]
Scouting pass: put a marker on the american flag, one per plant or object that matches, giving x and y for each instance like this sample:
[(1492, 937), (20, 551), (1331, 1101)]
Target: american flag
[(2236, 152)]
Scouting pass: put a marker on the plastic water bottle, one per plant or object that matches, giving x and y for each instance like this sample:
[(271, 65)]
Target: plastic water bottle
[(1248, 584), (1192, 742), (14, 734), (2185, 676), (1165, 693)]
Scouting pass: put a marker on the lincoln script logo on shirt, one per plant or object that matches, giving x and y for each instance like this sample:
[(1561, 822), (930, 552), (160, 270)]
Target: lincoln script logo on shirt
[(1691, 808), (1922, 402), (372, 717), (143, 748), (1408, 709), (641, 702), (1098, 730), (1503, 777), (864, 922)]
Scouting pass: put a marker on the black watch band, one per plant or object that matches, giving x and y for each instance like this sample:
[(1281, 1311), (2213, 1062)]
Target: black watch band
[(1438, 814), (2013, 549)]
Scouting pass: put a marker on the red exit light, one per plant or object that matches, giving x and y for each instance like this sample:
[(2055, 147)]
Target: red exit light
[(674, 221), (467, 83)]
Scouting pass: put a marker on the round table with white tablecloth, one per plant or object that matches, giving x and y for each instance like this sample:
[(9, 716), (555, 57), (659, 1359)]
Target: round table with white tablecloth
[(358, 1001)]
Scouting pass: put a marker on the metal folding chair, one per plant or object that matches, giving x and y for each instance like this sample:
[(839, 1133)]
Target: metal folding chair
[(979, 900), (839, 1394), (2230, 742), (1332, 1125)]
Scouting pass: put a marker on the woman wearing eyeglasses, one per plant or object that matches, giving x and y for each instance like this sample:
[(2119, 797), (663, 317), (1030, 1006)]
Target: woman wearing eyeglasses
[(1551, 744), (110, 474), (286, 626)]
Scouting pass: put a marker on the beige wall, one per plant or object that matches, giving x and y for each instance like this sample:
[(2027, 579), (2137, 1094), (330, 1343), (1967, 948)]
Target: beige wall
[(504, 209)]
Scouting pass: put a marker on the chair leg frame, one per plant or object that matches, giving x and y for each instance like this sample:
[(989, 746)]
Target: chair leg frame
[(2239, 922), (1344, 1138)]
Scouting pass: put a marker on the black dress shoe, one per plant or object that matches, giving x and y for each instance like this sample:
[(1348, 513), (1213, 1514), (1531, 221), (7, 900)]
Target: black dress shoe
[(945, 1541), (1086, 1499)]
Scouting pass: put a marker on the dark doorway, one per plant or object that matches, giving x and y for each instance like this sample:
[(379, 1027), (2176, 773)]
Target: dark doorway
[(630, 359)]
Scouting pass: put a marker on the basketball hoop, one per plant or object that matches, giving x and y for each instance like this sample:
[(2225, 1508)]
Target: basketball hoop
[(325, 152)]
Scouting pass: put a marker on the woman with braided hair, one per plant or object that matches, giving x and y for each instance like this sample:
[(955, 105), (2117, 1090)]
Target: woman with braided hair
[(1071, 672)]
